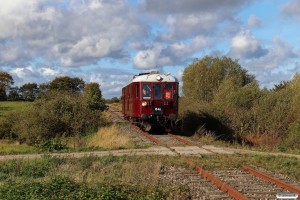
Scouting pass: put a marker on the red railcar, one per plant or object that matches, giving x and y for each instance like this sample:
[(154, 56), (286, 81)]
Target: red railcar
[(151, 99)]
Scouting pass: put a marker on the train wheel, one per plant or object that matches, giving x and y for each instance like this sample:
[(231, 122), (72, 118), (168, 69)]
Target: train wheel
[(146, 127)]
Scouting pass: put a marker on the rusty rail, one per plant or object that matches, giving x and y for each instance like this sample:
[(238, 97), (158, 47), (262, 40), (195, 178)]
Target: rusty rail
[(220, 184), (272, 180), (147, 135), (180, 139)]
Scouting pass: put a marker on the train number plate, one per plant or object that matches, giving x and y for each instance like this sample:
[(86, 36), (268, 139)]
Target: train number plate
[(158, 110)]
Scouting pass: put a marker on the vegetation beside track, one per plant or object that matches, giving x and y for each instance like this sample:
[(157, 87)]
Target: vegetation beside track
[(110, 177), (221, 98), (86, 178)]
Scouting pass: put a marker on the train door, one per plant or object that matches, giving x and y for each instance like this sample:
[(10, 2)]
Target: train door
[(136, 99), (127, 100), (123, 100)]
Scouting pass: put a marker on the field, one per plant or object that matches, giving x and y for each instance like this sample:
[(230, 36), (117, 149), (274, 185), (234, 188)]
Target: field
[(7, 106)]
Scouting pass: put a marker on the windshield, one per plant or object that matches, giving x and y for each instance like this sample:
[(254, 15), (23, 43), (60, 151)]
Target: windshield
[(146, 91), (157, 91)]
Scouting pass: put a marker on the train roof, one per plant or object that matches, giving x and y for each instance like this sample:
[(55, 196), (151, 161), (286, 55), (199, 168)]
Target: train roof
[(153, 76)]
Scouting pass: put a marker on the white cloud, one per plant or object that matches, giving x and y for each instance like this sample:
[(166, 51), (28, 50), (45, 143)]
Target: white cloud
[(174, 54), (280, 63), (147, 59), (279, 54), (245, 45), (75, 33)]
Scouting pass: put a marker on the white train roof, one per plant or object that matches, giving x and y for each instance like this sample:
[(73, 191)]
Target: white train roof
[(153, 76)]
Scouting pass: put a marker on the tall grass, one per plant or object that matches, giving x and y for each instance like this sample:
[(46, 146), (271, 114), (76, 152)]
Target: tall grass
[(111, 138)]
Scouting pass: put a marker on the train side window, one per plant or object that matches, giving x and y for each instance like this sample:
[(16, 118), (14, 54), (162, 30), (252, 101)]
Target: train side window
[(137, 91), (146, 91), (157, 91), (168, 91)]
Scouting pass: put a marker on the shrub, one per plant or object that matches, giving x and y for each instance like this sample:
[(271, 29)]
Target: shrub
[(54, 115), (293, 137)]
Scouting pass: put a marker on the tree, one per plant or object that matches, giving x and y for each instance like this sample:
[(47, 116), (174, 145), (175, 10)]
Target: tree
[(67, 84), (115, 100), (6, 80), (29, 91), (93, 97), (280, 86), (202, 79), (14, 94)]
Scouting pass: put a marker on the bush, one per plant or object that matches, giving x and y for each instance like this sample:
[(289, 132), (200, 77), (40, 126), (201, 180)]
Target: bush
[(54, 115), (293, 137)]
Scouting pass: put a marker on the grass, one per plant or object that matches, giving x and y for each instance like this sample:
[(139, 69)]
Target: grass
[(117, 106), (85, 178), (124, 177), (7, 106), (9, 147), (111, 138)]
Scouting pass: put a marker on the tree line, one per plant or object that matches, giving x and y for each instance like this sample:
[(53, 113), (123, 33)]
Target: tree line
[(32, 91)]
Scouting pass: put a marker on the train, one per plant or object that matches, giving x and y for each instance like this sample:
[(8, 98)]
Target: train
[(151, 99)]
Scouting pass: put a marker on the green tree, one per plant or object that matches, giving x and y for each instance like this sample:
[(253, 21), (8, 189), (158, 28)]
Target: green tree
[(93, 97), (29, 91), (6, 80), (202, 79), (67, 84)]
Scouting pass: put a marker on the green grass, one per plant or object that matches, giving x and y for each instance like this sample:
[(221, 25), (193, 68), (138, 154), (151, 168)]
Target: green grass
[(7, 106), (9, 147)]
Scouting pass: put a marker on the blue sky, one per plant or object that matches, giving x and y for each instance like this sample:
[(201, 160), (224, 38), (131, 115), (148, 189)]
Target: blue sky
[(108, 41)]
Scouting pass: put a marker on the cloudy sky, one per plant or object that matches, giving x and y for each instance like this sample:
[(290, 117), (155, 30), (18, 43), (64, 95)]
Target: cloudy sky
[(108, 41)]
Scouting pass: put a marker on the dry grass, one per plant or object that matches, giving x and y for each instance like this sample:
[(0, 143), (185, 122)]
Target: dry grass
[(106, 118), (145, 173), (117, 106), (268, 140), (111, 138)]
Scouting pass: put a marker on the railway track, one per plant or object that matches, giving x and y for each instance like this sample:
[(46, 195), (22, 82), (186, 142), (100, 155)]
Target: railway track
[(243, 183)]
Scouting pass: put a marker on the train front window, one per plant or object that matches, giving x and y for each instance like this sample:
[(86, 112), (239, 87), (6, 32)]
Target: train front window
[(168, 91), (157, 91), (146, 91)]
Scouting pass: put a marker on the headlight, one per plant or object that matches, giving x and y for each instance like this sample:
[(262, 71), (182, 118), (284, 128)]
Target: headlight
[(144, 103)]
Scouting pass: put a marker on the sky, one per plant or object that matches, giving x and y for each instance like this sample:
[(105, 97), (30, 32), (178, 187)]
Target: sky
[(108, 41)]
